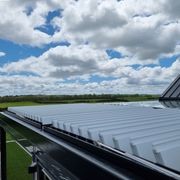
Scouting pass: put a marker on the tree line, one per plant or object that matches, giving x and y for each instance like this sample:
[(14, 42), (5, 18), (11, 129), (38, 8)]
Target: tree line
[(80, 98)]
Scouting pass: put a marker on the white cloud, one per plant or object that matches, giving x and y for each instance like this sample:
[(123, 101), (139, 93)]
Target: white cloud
[(171, 8), (80, 63), (18, 27), (11, 85), (142, 29), (2, 54), (64, 62), (71, 63)]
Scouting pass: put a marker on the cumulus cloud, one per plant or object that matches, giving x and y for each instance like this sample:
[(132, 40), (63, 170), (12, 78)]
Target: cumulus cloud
[(19, 20), (65, 62), (2, 54), (17, 27), (142, 31), (147, 80), (136, 28), (81, 62), (70, 63), (171, 8)]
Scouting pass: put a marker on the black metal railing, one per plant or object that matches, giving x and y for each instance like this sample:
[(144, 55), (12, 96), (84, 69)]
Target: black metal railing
[(3, 154)]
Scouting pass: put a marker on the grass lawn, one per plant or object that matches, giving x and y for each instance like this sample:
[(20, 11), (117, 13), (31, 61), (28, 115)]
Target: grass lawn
[(26, 103), (42, 100), (8, 137), (17, 162)]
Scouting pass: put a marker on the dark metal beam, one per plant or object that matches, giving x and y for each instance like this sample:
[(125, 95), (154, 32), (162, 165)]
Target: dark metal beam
[(3, 153)]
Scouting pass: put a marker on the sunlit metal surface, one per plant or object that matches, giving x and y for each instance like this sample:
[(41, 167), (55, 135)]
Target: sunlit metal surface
[(150, 133)]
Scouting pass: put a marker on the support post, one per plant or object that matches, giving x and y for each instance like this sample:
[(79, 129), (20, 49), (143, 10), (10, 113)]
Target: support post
[(3, 153)]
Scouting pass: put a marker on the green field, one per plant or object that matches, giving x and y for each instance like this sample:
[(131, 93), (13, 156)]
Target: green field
[(31, 100), (8, 137), (17, 162), (8, 104)]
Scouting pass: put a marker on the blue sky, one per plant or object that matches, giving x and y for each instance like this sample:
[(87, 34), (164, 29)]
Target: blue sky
[(48, 28), (43, 44)]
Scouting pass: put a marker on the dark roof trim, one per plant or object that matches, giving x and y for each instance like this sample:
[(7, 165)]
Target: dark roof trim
[(173, 91)]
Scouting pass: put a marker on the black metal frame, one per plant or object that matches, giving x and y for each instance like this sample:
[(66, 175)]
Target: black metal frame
[(3, 153), (120, 161), (170, 104), (170, 98), (66, 155)]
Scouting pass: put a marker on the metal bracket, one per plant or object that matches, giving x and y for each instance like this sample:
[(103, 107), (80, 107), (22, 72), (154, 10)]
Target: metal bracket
[(32, 168)]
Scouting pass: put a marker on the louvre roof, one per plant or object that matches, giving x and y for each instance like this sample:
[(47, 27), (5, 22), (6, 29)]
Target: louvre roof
[(152, 134), (173, 91)]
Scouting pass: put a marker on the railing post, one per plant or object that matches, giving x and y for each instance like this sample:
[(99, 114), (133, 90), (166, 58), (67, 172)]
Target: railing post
[(3, 154)]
